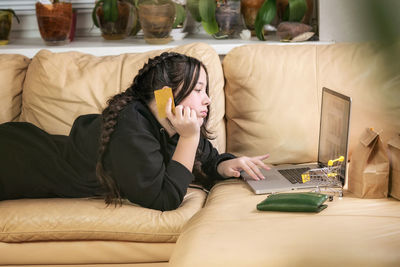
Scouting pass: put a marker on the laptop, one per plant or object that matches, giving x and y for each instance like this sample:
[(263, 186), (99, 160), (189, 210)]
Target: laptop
[(333, 143)]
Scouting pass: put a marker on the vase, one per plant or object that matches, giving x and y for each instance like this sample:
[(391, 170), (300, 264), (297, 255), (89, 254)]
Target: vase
[(249, 10), (156, 19), (229, 19), (5, 26), (135, 22), (73, 25), (54, 21), (180, 22), (119, 29)]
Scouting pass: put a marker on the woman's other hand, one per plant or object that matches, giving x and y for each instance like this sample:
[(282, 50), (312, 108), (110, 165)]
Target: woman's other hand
[(184, 121), (251, 165)]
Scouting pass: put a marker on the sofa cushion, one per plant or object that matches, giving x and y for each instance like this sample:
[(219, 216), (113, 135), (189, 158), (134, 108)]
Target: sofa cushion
[(90, 219), (12, 75), (272, 102), (61, 86), (273, 95), (229, 231)]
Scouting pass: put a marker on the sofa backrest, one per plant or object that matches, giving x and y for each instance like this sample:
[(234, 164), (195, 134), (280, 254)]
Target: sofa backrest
[(273, 95), (61, 86), (12, 75)]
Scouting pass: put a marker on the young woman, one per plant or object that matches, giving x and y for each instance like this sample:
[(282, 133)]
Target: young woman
[(127, 151)]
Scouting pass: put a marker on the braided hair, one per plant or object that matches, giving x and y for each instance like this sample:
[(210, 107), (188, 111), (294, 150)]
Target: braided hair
[(178, 71)]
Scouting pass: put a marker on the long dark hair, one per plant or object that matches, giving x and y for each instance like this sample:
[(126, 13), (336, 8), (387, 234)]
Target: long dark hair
[(178, 71)]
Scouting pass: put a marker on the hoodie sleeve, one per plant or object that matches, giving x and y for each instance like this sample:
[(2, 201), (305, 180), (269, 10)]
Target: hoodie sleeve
[(135, 160), (210, 158)]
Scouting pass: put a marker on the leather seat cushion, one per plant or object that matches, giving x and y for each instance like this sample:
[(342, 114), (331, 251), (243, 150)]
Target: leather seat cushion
[(230, 231), (90, 219)]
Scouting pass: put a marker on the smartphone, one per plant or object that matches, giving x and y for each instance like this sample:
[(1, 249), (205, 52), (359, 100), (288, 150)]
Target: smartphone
[(162, 96)]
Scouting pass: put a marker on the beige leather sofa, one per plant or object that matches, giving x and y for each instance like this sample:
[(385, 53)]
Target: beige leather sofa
[(265, 98)]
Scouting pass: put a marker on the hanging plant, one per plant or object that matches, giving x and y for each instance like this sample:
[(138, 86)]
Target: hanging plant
[(294, 12)]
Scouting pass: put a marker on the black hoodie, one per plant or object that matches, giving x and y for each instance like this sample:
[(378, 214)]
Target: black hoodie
[(138, 157)]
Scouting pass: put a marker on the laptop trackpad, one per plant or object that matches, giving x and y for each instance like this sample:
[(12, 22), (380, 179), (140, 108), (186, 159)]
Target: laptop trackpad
[(273, 182)]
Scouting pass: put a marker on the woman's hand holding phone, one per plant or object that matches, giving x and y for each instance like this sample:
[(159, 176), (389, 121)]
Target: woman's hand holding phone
[(184, 120)]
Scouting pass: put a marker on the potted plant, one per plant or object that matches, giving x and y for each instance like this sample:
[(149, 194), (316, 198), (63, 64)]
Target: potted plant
[(204, 11), (219, 18), (114, 18), (290, 14), (5, 24), (54, 21), (156, 18), (229, 18)]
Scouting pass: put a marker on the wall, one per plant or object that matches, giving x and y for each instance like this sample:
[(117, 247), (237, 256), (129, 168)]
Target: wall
[(358, 20)]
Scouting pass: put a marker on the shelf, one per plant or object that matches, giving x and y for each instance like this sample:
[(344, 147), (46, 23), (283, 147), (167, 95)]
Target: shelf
[(99, 47)]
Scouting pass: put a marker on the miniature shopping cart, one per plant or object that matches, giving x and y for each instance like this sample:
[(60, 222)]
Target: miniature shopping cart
[(326, 178)]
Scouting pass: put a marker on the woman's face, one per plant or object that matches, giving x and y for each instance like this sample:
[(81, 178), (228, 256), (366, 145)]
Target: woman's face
[(198, 99)]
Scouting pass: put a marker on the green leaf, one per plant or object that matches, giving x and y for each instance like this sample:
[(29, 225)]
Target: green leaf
[(285, 16), (136, 28), (94, 17), (136, 24), (265, 15), (207, 10), (180, 15), (12, 12), (193, 6), (297, 10), (110, 8), (211, 27)]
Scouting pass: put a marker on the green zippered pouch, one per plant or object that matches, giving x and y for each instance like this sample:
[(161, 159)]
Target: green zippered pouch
[(300, 202)]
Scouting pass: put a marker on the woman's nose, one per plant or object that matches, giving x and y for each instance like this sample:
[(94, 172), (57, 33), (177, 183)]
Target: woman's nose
[(207, 100)]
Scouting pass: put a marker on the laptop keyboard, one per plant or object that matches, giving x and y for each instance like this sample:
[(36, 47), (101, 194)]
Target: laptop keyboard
[(294, 175)]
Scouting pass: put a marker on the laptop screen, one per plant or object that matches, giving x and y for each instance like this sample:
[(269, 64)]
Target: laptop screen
[(334, 128)]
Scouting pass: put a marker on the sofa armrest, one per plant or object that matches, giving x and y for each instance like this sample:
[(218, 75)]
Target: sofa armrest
[(12, 75)]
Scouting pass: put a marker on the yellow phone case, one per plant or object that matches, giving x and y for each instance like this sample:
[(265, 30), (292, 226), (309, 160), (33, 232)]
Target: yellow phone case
[(162, 96)]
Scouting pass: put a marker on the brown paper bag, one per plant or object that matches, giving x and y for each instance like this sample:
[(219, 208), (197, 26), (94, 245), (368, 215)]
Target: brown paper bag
[(394, 181), (369, 167)]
